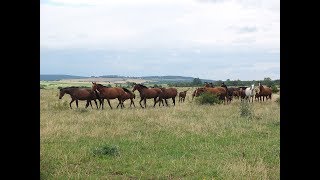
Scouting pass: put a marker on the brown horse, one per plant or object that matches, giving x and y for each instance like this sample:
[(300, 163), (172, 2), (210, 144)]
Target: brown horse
[(182, 95), (109, 93), (229, 92), (147, 93), (166, 94), (129, 95), (82, 94), (265, 92)]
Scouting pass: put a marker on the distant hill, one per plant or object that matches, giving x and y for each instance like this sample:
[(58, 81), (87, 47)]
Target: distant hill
[(56, 77), (162, 79)]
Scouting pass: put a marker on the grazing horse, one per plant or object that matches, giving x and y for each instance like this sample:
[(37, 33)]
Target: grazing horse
[(182, 95), (147, 93), (81, 94), (250, 92), (128, 95), (265, 92), (166, 94), (109, 93)]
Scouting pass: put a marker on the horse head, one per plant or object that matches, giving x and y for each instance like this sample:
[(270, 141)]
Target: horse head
[(62, 92)]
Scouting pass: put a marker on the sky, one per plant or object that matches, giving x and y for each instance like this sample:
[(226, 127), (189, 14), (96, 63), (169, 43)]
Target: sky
[(209, 39)]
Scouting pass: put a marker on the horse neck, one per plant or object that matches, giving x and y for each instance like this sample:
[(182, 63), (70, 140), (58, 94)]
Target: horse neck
[(261, 88), (141, 90)]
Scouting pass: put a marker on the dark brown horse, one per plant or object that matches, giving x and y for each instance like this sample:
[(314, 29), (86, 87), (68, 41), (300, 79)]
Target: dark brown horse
[(182, 95), (167, 93), (229, 92), (109, 93), (129, 95), (147, 93), (264, 92), (82, 94)]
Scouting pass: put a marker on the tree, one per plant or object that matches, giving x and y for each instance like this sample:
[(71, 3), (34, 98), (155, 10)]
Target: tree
[(196, 81), (267, 81)]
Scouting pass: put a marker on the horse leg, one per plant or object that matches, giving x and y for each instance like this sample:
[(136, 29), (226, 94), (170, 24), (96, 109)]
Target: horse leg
[(132, 102), (90, 104), (96, 103), (77, 103), (165, 100), (145, 102), (155, 101), (71, 103), (102, 103), (109, 103), (122, 104), (118, 104), (87, 104), (140, 102)]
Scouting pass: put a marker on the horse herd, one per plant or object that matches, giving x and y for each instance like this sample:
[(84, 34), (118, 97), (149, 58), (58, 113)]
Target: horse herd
[(100, 92)]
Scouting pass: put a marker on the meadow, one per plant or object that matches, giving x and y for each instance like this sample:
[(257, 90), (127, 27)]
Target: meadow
[(186, 141)]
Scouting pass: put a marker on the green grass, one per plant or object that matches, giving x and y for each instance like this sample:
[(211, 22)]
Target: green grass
[(188, 141)]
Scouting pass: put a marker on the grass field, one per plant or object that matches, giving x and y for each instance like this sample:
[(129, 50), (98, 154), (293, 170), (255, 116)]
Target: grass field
[(188, 141)]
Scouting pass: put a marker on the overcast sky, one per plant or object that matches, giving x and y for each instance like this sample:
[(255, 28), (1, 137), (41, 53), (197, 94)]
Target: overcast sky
[(210, 39)]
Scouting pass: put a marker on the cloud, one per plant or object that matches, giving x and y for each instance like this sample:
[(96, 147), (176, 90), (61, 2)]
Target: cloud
[(215, 39), (125, 24)]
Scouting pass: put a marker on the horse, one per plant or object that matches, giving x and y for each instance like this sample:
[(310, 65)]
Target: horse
[(265, 92), (257, 96), (250, 92), (229, 93), (236, 93), (182, 95), (128, 95), (166, 94), (147, 93), (109, 93), (82, 94)]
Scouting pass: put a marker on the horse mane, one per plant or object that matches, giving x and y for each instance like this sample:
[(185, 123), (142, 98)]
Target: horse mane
[(143, 86), (127, 90)]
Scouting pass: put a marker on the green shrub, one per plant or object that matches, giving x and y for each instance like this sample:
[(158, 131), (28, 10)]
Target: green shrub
[(208, 98), (42, 86), (246, 109), (274, 89)]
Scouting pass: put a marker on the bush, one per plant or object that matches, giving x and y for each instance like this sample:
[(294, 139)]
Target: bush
[(42, 86), (246, 109), (106, 150), (208, 98), (274, 89)]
